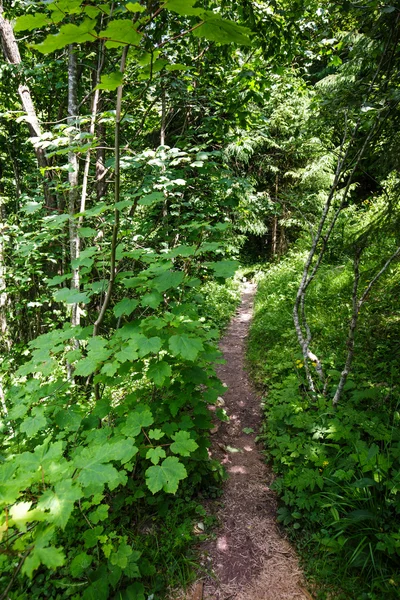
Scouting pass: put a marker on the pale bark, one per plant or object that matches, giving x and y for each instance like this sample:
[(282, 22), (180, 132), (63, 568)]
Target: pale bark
[(4, 331), (357, 304), (73, 193), (163, 116), (12, 55)]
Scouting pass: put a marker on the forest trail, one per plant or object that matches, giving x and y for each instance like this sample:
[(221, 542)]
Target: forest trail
[(249, 557)]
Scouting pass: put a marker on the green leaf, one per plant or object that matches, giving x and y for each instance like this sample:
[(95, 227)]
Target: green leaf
[(29, 22), (100, 514), (80, 564), (159, 371), (167, 280), (149, 345), (42, 553), (153, 299), (111, 81), (91, 536), (68, 34), (223, 31), (224, 268), (150, 199), (165, 476), (122, 450), (155, 455), (86, 367), (136, 592), (185, 346), (69, 418), (183, 7), (49, 557), (61, 501), (155, 434), (92, 470), (183, 444), (125, 307), (21, 514), (136, 420), (71, 296), (32, 425), (120, 33), (135, 7), (120, 557), (132, 569)]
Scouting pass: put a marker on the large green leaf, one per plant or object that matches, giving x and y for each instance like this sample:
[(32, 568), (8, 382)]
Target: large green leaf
[(71, 296), (29, 22), (224, 268), (223, 31), (184, 8), (110, 81), (152, 299), (35, 423), (136, 420), (135, 7), (165, 476), (183, 443), (159, 371), (167, 280), (149, 345), (61, 501), (68, 34), (185, 346), (125, 307), (91, 461), (86, 367), (120, 32), (80, 564)]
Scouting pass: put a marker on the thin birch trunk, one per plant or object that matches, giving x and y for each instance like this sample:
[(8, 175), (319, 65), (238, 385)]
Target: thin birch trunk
[(4, 330), (163, 116), (73, 194), (357, 304), (12, 55), (299, 315), (92, 129)]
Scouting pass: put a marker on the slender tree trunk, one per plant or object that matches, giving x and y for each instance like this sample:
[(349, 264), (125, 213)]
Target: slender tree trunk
[(12, 55), (73, 194), (5, 343), (117, 182), (275, 221), (357, 304), (163, 116)]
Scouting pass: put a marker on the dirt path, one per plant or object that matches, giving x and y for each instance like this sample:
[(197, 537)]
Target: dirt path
[(250, 558)]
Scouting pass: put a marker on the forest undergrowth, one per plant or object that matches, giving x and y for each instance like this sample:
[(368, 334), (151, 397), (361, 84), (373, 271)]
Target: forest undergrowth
[(337, 471)]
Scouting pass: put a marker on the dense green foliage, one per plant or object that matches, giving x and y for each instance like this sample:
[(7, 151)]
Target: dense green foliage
[(146, 148), (338, 471)]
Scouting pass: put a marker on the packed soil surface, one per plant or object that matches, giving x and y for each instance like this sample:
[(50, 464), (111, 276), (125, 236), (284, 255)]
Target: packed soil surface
[(249, 558)]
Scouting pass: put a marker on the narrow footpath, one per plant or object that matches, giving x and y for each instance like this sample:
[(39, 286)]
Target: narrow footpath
[(249, 557)]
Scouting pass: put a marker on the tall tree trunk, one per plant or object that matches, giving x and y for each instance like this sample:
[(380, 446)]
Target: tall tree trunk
[(5, 343), (12, 55), (73, 193), (275, 221), (163, 116)]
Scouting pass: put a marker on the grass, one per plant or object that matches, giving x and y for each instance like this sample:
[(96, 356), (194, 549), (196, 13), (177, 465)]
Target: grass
[(337, 471)]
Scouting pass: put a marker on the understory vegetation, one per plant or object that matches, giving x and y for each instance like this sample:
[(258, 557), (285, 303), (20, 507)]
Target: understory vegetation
[(337, 470), (147, 150)]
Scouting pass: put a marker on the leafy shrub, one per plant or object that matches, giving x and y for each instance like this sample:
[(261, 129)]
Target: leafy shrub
[(337, 471)]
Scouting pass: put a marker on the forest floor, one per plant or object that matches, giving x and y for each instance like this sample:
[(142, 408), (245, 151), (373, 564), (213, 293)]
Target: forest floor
[(249, 557)]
